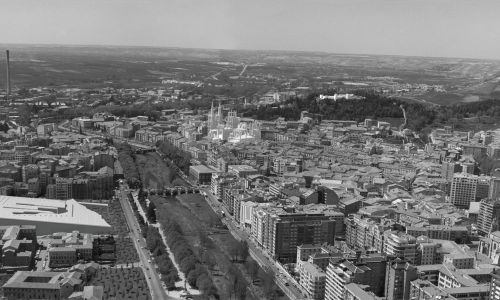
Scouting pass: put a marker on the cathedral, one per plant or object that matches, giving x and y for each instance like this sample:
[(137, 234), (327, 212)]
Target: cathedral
[(233, 129)]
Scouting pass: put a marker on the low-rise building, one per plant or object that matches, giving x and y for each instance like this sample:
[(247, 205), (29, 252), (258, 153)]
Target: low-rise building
[(201, 174), (42, 285)]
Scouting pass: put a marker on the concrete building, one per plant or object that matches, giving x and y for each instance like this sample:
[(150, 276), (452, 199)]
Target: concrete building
[(66, 249), (463, 189), (448, 169), (88, 293), (50, 215), (319, 255), (425, 290), (62, 257), (18, 245), (64, 188), (201, 173), (313, 280), (45, 129), (490, 246), (400, 245), (42, 285), (241, 170), (495, 285), (246, 212), (494, 191), (219, 182), (287, 231), (427, 252), (488, 219), (306, 250), (364, 233), (340, 273), (398, 278), (354, 291), (440, 232)]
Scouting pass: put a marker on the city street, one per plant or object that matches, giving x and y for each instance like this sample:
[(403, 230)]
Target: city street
[(288, 284), (282, 278), (154, 282)]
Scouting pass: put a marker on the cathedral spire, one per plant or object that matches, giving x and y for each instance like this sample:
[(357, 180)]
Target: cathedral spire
[(219, 113)]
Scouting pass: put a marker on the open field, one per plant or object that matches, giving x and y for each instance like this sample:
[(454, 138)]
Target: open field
[(220, 71), (122, 283)]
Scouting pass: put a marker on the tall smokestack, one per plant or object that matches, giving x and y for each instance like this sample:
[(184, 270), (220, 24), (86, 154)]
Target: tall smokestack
[(8, 72)]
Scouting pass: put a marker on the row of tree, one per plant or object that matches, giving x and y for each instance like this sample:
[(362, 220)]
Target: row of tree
[(180, 158), (373, 106), (237, 283), (239, 254), (126, 157), (149, 208), (376, 106), (166, 267), (238, 250), (140, 219), (196, 273), (155, 244)]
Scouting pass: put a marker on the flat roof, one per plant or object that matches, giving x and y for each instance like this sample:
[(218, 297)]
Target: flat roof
[(41, 211), (62, 249), (21, 279), (242, 168), (203, 169)]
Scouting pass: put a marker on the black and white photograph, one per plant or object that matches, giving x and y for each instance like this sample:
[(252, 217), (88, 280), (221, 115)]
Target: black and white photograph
[(250, 149)]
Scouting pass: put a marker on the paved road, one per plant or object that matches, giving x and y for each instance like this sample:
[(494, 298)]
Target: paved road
[(287, 284), (154, 282)]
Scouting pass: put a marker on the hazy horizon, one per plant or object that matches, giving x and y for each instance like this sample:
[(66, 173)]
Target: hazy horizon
[(424, 28), (48, 45)]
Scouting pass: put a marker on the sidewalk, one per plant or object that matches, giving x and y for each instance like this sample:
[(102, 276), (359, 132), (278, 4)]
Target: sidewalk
[(179, 284)]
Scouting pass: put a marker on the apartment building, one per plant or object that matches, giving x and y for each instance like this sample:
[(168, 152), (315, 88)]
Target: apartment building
[(495, 285), (340, 274), (488, 219), (401, 245), (398, 278), (313, 280), (463, 189), (287, 231)]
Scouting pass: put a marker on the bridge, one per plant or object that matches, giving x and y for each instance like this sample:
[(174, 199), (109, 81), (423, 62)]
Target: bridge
[(173, 191)]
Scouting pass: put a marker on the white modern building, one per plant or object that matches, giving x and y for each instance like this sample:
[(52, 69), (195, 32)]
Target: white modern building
[(50, 216)]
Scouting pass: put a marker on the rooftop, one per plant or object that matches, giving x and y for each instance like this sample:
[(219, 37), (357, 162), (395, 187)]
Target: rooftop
[(34, 280), (203, 169), (34, 211)]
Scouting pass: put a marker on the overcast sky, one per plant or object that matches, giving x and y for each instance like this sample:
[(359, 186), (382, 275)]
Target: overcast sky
[(454, 28)]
